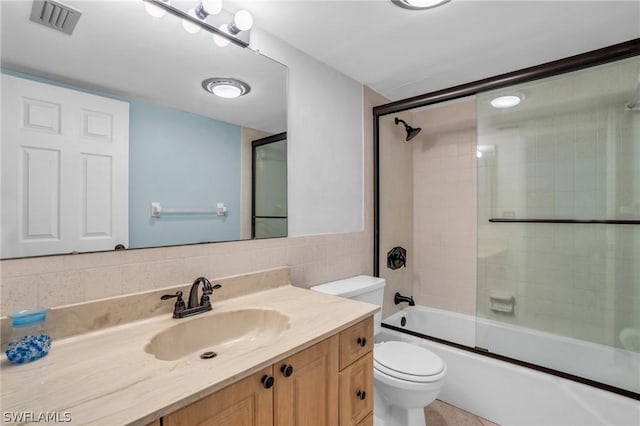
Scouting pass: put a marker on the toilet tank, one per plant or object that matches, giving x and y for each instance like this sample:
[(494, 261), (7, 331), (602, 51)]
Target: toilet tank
[(363, 288)]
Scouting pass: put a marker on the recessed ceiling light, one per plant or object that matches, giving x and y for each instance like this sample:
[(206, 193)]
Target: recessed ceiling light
[(506, 101), (226, 87), (419, 4)]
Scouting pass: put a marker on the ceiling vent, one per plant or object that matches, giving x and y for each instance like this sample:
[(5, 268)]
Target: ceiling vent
[(55, 15)]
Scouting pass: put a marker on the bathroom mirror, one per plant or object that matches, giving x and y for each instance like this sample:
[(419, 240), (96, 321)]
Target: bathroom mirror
[(189, 151)]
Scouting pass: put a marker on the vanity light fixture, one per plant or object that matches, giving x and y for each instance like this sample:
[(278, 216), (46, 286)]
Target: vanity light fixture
[(208, 7), (153, 10), (219, 40), (209, 15), (419, 4), (226, 87), (188, 26), (506, 101)]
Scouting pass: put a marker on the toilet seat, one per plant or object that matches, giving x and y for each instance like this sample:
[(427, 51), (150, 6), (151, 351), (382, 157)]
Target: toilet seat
[(408, 362)]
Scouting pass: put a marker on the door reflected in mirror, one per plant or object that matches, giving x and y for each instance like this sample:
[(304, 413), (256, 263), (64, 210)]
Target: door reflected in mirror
[(110, 120)]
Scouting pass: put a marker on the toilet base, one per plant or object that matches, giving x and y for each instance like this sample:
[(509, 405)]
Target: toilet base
[(388, 415)]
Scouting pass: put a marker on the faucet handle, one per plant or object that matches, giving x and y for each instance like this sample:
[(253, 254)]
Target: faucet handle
[(171, 296), (179, 306), (204, 300)]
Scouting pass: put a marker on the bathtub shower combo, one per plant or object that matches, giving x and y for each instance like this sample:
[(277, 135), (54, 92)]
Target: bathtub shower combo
[(518, 207)]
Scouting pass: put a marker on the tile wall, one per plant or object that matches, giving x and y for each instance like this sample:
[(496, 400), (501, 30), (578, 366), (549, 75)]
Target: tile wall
[(444, 217)]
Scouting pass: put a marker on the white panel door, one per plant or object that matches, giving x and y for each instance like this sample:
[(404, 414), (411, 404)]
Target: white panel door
[(65, 170)]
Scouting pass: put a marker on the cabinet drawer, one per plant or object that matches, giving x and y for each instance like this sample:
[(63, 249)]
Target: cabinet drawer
[(356, 391), (356, 341)]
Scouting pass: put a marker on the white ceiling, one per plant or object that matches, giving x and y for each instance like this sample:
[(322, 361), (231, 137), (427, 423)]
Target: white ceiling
[(402, 53)]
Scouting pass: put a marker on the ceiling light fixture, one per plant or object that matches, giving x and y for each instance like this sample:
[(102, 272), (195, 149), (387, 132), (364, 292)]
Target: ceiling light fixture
[(419, 4), (226, 87), (208, 15), (506, 101)]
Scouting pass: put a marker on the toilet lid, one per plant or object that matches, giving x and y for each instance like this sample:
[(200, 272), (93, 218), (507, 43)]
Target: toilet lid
[(402, 359)]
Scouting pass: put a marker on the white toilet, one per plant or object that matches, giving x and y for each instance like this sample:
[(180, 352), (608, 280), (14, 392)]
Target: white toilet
[(407, 377)]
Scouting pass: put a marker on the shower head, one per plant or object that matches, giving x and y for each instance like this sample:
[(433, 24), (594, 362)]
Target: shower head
[(411, 131)]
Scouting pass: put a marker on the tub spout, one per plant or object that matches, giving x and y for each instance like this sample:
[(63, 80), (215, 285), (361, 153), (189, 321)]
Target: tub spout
[(398, 298)]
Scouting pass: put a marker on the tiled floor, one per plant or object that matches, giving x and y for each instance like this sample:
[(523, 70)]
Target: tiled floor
[(442, 414)]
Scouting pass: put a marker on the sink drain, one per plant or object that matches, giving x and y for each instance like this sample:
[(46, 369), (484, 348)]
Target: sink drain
[(208, 355)]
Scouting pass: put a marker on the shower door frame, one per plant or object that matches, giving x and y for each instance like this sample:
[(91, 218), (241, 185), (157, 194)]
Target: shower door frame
[(601, 56)]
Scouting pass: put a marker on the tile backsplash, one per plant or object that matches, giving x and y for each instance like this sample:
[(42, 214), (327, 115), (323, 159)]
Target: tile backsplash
[(62, 280)]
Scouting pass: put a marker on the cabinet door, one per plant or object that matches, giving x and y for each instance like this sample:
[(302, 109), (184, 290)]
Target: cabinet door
[(356, 391), (367, 421), (245, 403), (309, 395)]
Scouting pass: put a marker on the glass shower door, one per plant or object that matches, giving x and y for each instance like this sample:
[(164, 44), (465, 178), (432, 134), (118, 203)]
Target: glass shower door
[(558, 256)]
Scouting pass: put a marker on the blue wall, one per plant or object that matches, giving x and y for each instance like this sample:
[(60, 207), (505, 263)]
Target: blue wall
[(180, 160)]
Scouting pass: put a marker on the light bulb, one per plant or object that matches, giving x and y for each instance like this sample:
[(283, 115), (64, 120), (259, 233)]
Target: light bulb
[(507, 101), (212, 7), (153, 10), (220, 40), (478, 153), (226, 91), (190, 27), (243, 20)]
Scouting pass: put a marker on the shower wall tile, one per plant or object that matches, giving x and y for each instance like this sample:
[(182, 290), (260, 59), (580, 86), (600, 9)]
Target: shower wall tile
[(445, 205), (398, 207)]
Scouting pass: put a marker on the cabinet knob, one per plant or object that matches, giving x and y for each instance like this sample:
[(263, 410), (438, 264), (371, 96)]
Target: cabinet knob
[(267, 381), (362, 341), (361, 394), (287, 370)]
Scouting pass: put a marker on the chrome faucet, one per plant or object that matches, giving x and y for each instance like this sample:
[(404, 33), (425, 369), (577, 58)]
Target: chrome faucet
[(195, 306)]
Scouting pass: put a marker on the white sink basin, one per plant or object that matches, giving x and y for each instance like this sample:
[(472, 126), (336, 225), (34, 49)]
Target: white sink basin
[(235, 331)]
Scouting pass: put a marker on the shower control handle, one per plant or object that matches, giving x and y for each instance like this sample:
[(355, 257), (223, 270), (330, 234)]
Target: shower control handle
[(362, 341), (361, 394)]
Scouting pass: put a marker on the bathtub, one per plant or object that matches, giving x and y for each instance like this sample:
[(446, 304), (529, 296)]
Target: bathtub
[(510, 394)]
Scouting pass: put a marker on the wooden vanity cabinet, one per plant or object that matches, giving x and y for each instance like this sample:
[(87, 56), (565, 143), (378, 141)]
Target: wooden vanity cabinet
[(356, 374), (327, 384), (244, 403)]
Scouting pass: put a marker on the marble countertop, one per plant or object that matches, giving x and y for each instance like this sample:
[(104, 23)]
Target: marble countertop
[(106, 377)]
